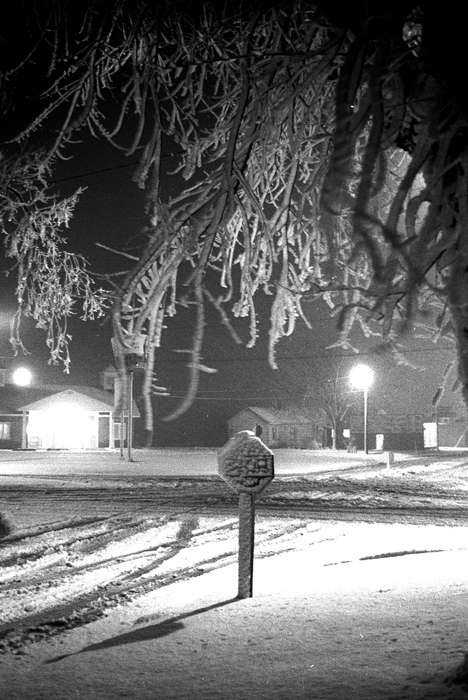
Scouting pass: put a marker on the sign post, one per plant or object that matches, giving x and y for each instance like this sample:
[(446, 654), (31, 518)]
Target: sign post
[(247, 465), (133, 353), (246, 544)]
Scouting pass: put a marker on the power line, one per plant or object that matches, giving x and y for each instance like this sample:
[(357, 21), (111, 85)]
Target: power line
[(111, 168), (228, 398), (311, 356), (94, 172)]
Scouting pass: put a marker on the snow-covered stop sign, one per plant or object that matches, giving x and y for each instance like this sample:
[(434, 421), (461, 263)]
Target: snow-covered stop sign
[(246, 463)]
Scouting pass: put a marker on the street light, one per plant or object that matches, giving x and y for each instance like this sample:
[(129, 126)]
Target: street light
[(362, 378), (22, 376)]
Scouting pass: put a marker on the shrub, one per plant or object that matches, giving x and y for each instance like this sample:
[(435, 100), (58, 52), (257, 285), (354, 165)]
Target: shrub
[(5, 526)]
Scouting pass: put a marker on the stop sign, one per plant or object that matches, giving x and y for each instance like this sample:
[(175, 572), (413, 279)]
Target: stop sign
[(246, 463)]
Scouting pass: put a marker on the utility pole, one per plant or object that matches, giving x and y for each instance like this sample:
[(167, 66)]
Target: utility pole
[(130, 415)]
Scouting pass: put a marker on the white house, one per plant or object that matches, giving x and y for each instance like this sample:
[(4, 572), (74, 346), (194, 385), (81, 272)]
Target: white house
[(59, 417)]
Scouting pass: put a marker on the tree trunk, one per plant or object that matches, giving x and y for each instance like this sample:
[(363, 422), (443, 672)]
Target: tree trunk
[(458, 301), (148, 438), (339, 441), (146, 393)]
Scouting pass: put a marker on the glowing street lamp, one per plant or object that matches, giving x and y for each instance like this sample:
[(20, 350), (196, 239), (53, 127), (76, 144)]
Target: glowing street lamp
[(362, 378), (22, 376)]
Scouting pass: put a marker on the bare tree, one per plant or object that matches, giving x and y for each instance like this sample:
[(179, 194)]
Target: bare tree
[(282, 121), (329, 391)]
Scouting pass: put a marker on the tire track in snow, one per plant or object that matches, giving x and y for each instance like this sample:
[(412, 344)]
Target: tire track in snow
[(134, 508), (69, 541), (84, 608)]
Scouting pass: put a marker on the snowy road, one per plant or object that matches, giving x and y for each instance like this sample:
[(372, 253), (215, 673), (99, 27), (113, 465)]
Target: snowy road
[(373, 498), (85, 541), (39, 487)]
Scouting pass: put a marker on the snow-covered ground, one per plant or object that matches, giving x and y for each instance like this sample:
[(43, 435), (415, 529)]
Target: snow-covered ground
[(167, 462), (138, 600)]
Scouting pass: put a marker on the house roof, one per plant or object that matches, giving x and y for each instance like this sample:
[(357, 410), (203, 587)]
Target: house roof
[(87, 402), (14, 399), (280, 416)]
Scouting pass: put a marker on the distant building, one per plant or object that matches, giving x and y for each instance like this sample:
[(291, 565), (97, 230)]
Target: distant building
[(59, 417), (287, 427), (411, 431), (412, 411)]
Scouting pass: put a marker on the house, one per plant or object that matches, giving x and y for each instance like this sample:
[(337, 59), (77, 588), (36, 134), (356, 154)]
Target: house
[(287, 427), (58, 417), (407, 430), (413, 408)]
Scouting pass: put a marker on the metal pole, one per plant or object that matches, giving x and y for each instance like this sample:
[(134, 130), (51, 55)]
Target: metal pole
[(246, 543), (111, 431), (365, 422), (122, 431), (130, 416)]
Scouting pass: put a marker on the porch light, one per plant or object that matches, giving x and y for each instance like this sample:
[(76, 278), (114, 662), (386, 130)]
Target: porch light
[(22, 376)]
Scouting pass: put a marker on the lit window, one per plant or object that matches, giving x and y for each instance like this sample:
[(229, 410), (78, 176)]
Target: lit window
[(5, 431)]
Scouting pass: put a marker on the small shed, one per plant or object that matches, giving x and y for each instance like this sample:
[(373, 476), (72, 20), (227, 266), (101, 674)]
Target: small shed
[(281, 427)]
